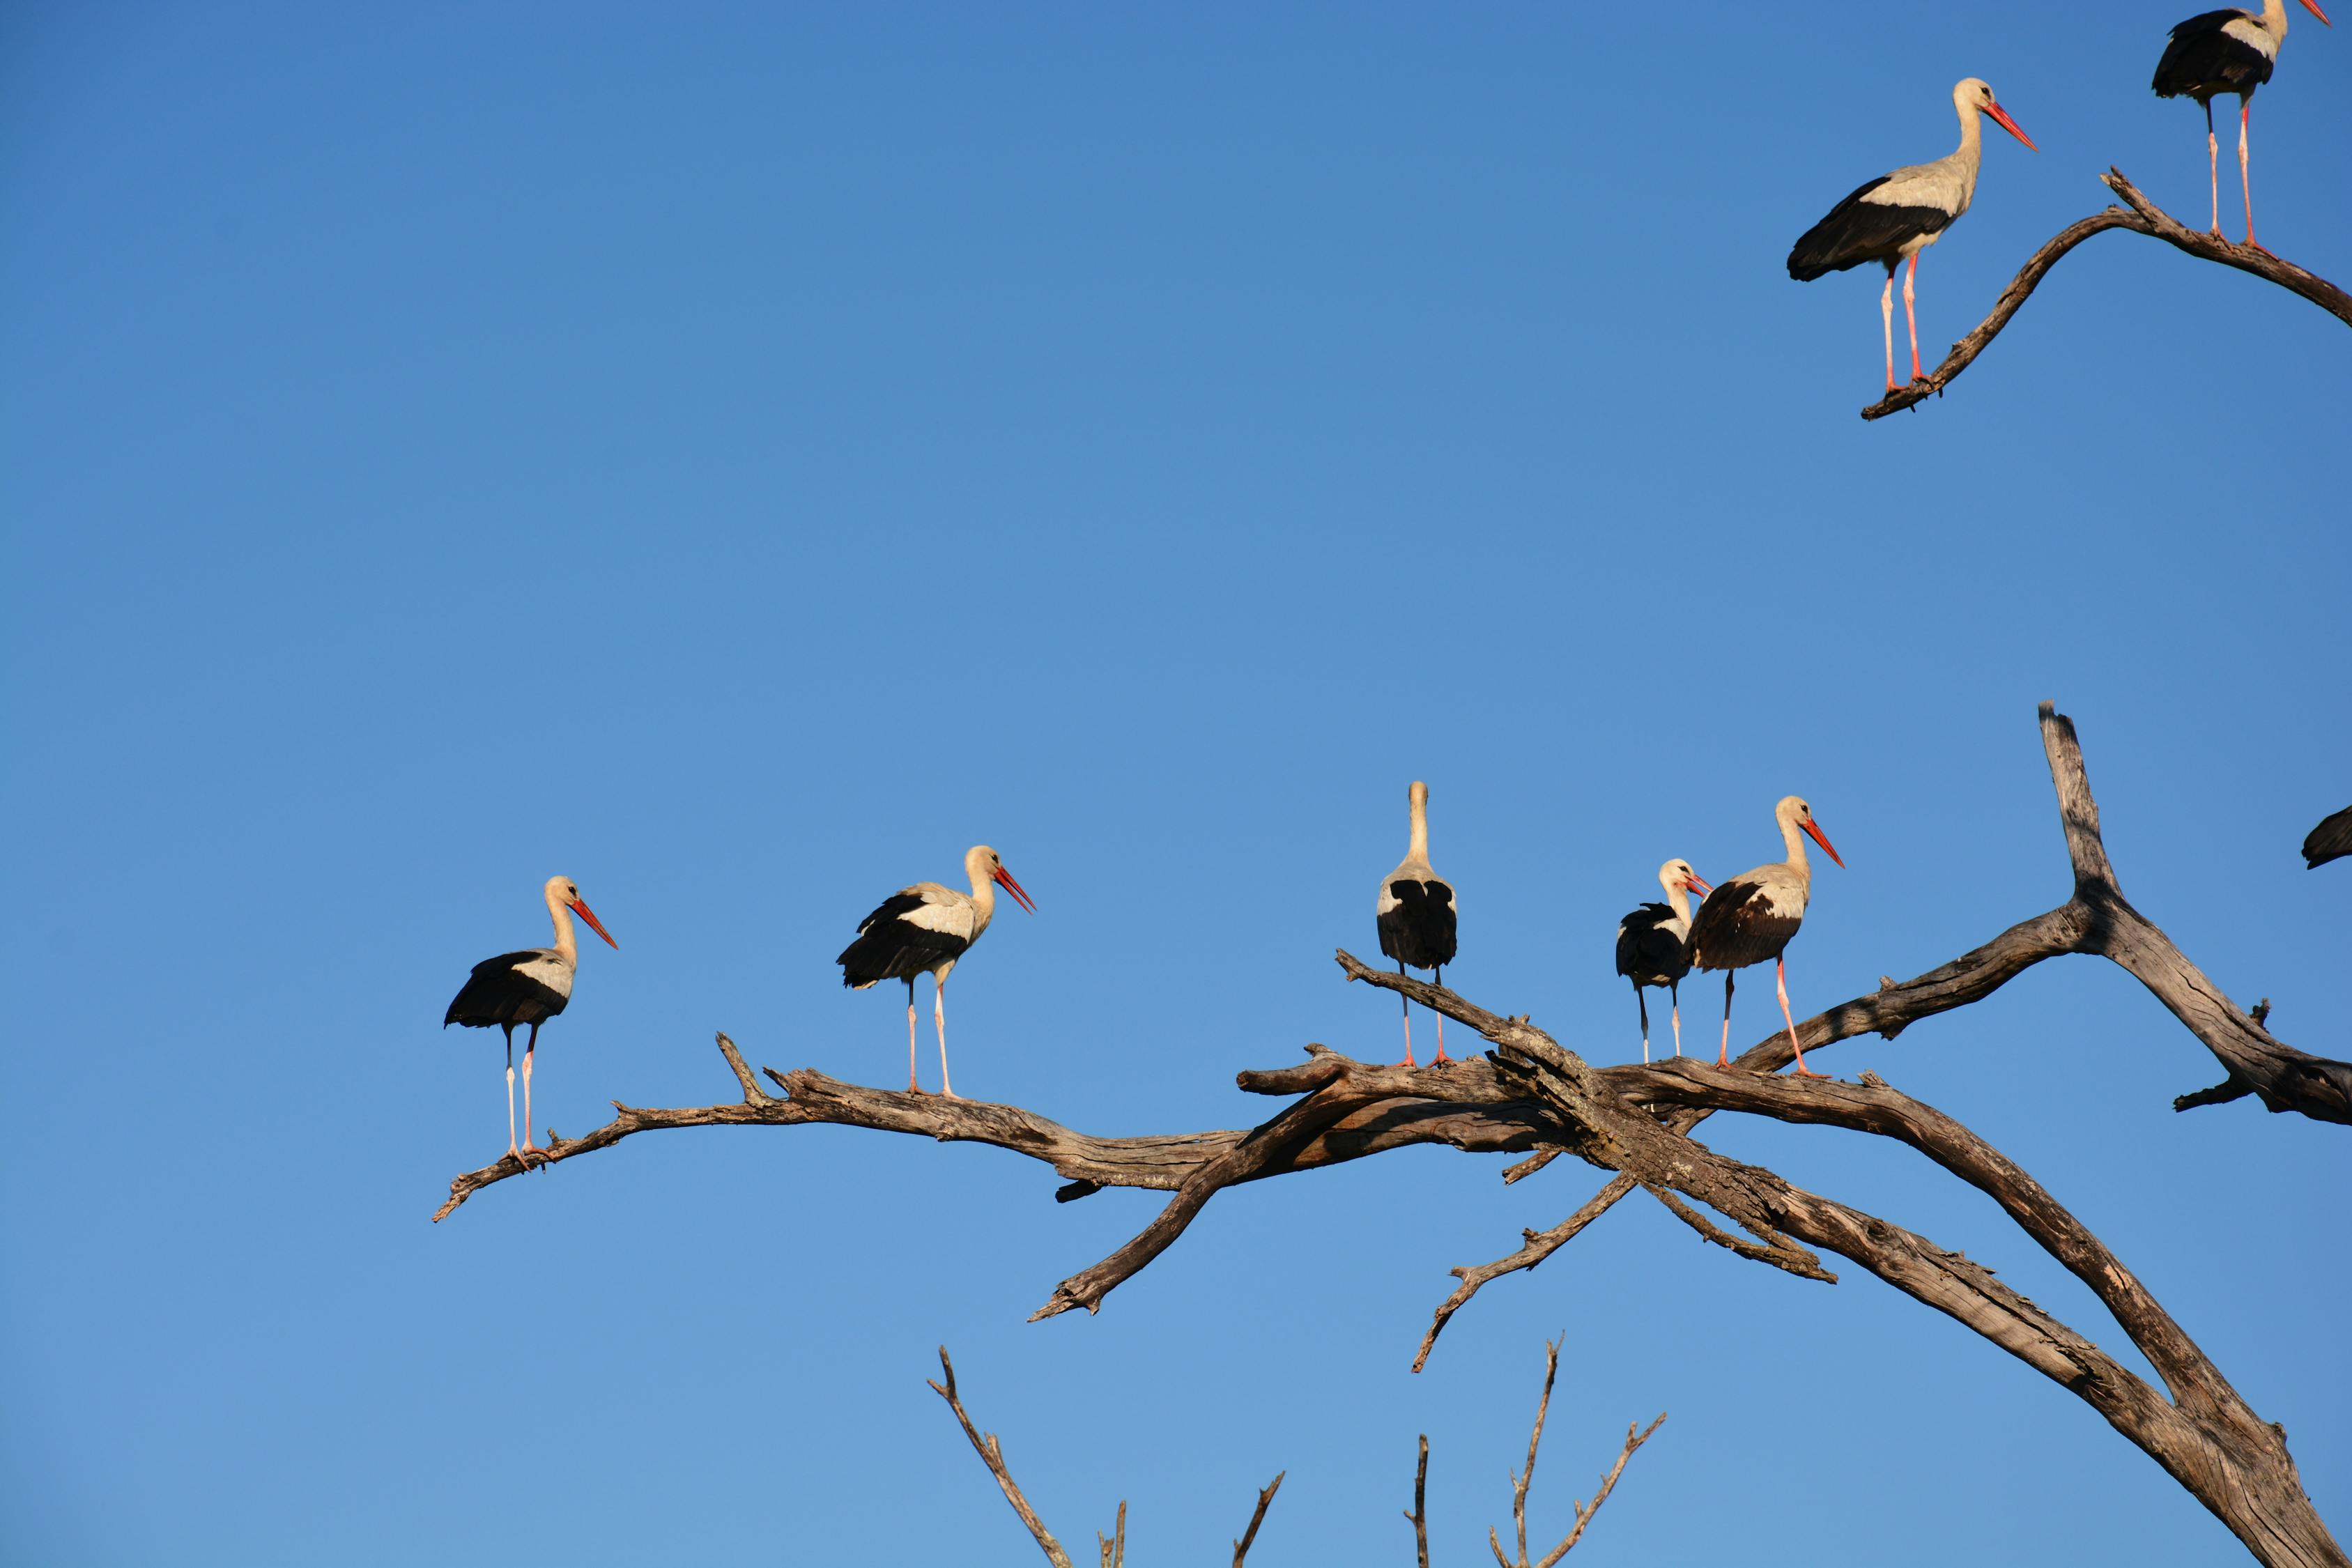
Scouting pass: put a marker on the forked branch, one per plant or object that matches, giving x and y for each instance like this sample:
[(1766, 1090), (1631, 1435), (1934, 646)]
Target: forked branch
[(2140, 216)]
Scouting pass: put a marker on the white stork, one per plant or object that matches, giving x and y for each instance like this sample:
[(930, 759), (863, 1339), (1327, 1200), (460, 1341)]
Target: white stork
[(1898, 216), (526, 987), (2226, 51), (1652, 945), (1751, 917), (924, 929), (1415, 912)]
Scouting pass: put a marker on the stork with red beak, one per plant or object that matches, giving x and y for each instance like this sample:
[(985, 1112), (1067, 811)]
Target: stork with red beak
[(1895, 216), (2226, 51), (924, 929), (1751, 917), (526, 987)]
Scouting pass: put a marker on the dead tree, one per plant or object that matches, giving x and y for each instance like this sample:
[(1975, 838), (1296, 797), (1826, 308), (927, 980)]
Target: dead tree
[(1112, 1549), (2140, 216), (1531, 1096)]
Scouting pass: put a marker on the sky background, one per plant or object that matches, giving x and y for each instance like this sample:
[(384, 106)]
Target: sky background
[(740, 457)]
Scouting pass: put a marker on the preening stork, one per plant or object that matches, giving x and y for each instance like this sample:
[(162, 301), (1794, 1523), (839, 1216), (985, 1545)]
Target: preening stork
[(1751, 917), (1652, 945), (1895, 216), (1415, 912), (2226, 51), (2331, 840), (526, 987), (924, 929)]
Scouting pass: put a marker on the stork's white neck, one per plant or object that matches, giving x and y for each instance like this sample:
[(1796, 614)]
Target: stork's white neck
[(565, 945), (983, 892), (1795, 840), (1419, 849), (2273, 18)]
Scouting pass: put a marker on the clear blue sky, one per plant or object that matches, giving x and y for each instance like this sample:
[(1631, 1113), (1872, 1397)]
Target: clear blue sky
[(743, 457)]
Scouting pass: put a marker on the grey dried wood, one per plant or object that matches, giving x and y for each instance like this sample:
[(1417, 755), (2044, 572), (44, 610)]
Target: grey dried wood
[(2140, 216)]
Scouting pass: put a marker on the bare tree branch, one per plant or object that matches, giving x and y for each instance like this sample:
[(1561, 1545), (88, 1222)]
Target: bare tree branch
[(992, 1454), (1420, 1514), (1520, 1482), (1265, 1497), (2143, 217)]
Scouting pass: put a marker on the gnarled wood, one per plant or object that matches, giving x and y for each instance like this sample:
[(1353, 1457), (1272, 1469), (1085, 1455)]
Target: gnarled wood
[(2140, 216)]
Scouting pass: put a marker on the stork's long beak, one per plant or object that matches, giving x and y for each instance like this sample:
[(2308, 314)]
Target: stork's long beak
[(1816, 835), (2312, 7), (585, 914), (1697, 883), (2001, 118), (1005, 878)]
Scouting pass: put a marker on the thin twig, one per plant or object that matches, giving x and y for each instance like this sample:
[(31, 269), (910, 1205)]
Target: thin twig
[(992, 1454), (1584, 1512), (1241, 1547), (1520, 1482), (1420, 1514)]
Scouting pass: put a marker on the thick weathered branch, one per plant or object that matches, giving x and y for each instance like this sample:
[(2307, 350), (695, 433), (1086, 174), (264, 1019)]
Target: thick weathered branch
[(2143, 217)]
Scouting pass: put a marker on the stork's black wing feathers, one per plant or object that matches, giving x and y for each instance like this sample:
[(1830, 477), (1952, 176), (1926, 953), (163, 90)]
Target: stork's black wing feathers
[(1737, 926), (891, 948), (1855, 231), (1420, 929), (2331, 840), (498, 993), (2202, 60), (1648, 953)]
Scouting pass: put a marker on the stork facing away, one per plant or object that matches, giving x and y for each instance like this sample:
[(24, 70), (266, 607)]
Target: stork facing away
[(526, 987), (1895, 216), (1751, 917), (924, 929), (2226, 51), (1414, 913), (1653, 945)]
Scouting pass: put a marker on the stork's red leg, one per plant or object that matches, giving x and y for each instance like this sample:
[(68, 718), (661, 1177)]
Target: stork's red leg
[(2213, 166), (1780, 979), (1439, 973), (2245, 175), (912, 1087), (1886, 328), (1723, 1052), (1909, 319), (940, 1016), (1674, 989), (1407, 1003), (510, 1137), (530, 1049)]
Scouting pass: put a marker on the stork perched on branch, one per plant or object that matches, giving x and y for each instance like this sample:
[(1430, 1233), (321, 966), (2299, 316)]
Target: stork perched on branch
[(1753, 916), (526, 987), (924, 929), (1415, 912), (1895, 216), (2226, 51), (1652, 945)]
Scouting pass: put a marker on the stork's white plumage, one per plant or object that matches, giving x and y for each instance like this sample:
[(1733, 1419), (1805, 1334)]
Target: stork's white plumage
[(1414, 913), (1751, 917), (1652, 945), (2226, 51), (924, 929), (1897, 215), (526, 987)]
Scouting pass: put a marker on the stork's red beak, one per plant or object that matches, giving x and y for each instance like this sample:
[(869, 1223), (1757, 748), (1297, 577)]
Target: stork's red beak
[(1697, 883), (585, 914), (1816, 835), (2001, 118), (1005, 878), (2313, 7)]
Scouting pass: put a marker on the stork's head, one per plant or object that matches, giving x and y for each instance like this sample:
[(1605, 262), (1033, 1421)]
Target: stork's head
[(1676, 876), (1793, 811), (1974, 95), (565, 891), (983, 863)]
